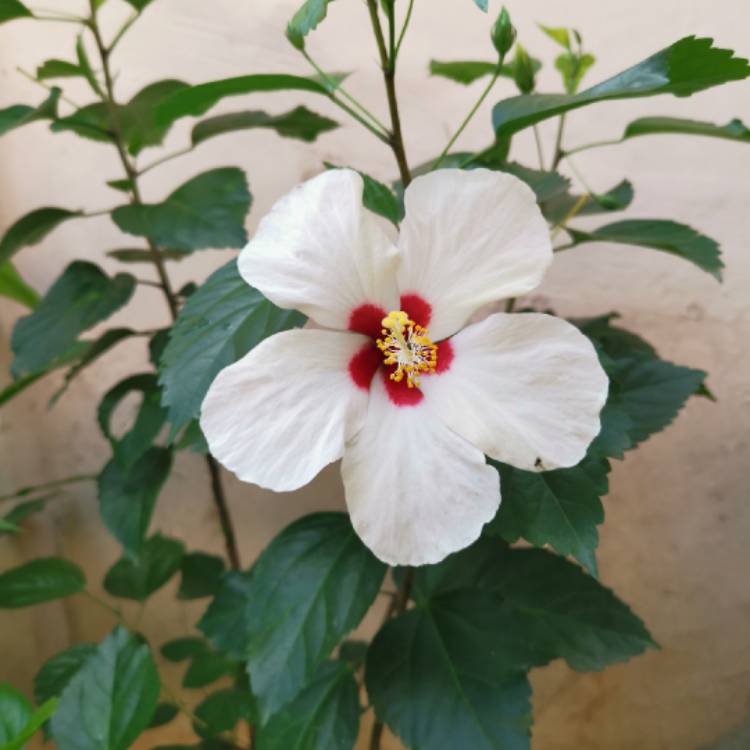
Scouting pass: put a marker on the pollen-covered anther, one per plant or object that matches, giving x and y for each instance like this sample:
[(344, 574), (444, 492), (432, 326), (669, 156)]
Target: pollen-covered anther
[(407, 346)]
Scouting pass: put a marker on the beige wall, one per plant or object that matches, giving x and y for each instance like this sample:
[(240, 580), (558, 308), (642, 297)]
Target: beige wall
[(675, 544)]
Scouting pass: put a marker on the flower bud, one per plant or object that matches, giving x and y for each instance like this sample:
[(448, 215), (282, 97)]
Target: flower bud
[(503, 33)]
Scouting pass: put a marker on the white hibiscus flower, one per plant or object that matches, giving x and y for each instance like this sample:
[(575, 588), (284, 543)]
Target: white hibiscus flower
[(395, 384)]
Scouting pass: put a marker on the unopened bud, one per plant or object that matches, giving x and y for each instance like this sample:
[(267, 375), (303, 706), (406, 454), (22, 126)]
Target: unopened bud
[(503, 33)]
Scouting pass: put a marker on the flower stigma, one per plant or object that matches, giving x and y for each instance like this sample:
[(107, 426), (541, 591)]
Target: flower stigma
[(407, 346)]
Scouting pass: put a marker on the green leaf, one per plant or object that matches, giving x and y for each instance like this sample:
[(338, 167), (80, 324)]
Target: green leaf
[(558, 207), (21, 114), (14, 287), (80, 298), (686, 67), (201, 575), (148, 423), (38, 581), (446, 676), (139, 5), (481, 4), (677, 239), (225, 622), (353, 653), (15, 712), (379, 199), (299, 123), (197, 100), (468, 71), (556, 606), (35, 722), (92, 351), (58, 69), (137, 120), (560, 35), (138, 578), (308, 17), (181, 649), (735, 130), (206, 665), (86, 70), (206, 212), (561, 508), (324, 715), (59, 670), (310, 587), (32, 229), (111, 699), (91, 121), (127, 497), (165, 712), (573, 68), (11, 522), (11, 9), (220, 323), (546, 185), (221, 711), (138, 255)]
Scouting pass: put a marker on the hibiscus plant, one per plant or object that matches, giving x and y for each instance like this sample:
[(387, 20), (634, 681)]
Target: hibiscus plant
[(380, 324)]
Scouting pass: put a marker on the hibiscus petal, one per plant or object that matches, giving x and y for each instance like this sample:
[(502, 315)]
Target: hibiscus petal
[(321, 252), (416, 491), (470, 238), (525, 388), (285, 410)]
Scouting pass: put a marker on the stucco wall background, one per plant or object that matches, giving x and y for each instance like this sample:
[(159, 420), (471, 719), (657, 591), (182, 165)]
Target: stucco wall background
[(674, 544)]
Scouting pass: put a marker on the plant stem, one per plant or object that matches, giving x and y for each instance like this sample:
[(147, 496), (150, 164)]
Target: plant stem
[(32, 490), (539, 151), (469, 117), (46, 86), (219, 498), (388, 66), (403, 29), (558, 153), (164, 159), (587, 146)]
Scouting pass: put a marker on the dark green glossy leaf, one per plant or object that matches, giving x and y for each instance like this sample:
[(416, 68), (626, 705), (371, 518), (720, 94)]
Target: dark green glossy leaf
[(127, 497), (197, 100), (58, 69), (546, 185), (201, 575), (561, 508), (206, 665), (32, 229), (137, 255), (14, 287), (735, 130), (311, 586), (181, 649), (220, 323), (378, 197), (21, 114), (677, 239), (468, 71), (165, 712), (452, 675), (91, 121), (555, 605), (111, 699), (684, 68), (225, 622), (150, 418), (221, 711), (324, 715), (80, 298), (38, 581), (59, 670), (122, 186), (299, 123), (138, 578), (206, 212), (12, 9), (94, 350), (558, 208)]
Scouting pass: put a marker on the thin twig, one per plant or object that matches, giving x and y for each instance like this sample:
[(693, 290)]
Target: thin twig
[(33, 489)]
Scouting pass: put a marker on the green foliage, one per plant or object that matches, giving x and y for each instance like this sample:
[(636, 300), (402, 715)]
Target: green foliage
[(669, 236), (468, 71), (82, 297), (32, 229), (324, 715), (139, 577), (58, 69), (557, 207), (201, 575), (310, 587), (10, 522), (20, 114), (305, 20), (299, 123), (127, 496), (206, 665), (111, 699), (220, 323), (165, 712), (206, 212), (59, 670), (503, 33), (221, 711), (14, 287), (18, 720), (560, 508), (12, 9), (482, 4), (734, 130), (225, 622), (41, 580), (686, 67), (197, 100)]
